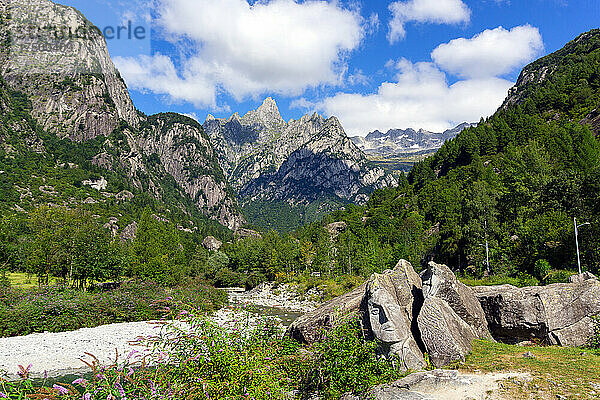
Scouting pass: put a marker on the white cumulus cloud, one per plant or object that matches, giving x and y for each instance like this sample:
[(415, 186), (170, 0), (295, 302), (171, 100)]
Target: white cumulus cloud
[(491, 53), (431, 11), (246, 50), (421, 96)]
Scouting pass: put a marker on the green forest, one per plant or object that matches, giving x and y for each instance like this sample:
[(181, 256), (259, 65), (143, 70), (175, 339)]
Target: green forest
[(517, 181)]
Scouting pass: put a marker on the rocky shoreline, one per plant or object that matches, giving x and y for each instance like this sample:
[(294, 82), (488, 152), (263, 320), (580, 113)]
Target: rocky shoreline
[(281, 296)]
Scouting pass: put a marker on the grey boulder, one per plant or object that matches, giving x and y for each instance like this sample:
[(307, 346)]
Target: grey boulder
[(311, 327), (586, 276), (560, 314), (447, 338), (440, 282), (392, 304)]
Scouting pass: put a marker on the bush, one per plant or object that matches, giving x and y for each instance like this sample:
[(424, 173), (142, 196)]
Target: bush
[(228, 278), (559, 276), (59, 309), (542, 269), (346, 362)]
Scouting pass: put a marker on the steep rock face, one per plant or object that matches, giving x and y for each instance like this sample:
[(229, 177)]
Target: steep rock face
[(76, 92), (329, 165), (396, 142), (74, 87), (186, 154), (301, 161)]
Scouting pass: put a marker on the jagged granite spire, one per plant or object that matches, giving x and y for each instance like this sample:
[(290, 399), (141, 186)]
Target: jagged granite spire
[(267, 114)]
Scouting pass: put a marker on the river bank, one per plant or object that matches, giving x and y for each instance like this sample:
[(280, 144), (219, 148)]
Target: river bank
[(59, 354)]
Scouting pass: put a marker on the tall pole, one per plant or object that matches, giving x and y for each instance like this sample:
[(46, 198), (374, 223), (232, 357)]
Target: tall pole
[(487, 255), (577, 245), (487, 249)]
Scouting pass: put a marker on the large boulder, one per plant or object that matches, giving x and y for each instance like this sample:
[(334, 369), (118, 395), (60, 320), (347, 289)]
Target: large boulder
[(446, 336), (388, 305), (560, 314), (211, 243), (311, 327), (440, 282), (393, 301), (586, 276)]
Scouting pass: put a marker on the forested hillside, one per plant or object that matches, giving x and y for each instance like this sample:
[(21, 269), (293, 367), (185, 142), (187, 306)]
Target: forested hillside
[(518, 178)]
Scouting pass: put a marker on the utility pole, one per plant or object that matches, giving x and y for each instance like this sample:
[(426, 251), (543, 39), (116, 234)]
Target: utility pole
[(487, 250), (577, 242)]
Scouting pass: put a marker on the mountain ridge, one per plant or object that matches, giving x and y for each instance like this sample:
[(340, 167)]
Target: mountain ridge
[(398, 142)]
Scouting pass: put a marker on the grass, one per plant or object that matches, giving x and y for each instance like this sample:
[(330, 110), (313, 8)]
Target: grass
[(557, 372), (22, 280), (496, 280)]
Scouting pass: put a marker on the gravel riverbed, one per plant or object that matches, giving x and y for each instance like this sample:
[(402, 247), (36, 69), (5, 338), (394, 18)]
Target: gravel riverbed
[(59, 354)]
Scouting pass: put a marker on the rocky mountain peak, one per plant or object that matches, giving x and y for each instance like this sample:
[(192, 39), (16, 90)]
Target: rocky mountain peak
[(267, 114)]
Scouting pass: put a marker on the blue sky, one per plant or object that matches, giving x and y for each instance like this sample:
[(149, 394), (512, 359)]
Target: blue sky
[(375, 64)]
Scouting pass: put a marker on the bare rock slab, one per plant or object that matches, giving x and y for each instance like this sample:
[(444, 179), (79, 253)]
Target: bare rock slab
[(393, 301), (440, 282), (439, 385)]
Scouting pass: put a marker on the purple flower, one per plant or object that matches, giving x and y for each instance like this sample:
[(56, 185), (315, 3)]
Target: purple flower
[(3, 395), (86, 396), (61, 390), (80, 382), (121, 390)]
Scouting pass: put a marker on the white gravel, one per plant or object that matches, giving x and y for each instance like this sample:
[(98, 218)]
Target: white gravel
[(60, 354)]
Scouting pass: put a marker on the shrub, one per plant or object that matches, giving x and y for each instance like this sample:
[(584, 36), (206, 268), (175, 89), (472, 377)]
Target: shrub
[(559, 276), (228, 278), (346, 362), (541, 269), (59, 309)]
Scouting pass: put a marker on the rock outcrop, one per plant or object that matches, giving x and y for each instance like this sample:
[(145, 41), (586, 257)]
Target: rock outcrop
[(211, 243), (409, 315), (440, 282), (559, 314), (311, 327), (393, 300), (335, 229)]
